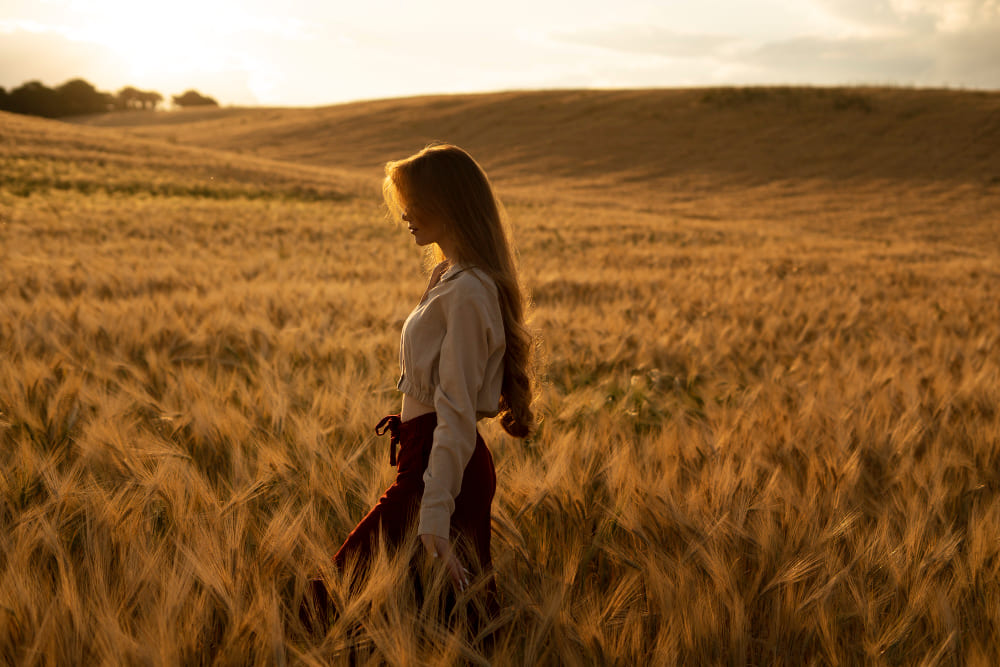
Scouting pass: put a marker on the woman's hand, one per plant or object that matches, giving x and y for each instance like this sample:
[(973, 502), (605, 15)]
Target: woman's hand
[(439, 548)]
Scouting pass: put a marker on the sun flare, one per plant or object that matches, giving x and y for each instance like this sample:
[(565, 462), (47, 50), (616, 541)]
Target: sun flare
[(162, 41)]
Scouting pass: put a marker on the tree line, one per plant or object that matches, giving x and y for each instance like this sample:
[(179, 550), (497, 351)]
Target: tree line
[(76, 97)]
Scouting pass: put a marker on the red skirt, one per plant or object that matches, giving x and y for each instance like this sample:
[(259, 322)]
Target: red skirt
[(395, 514), (396, 511)]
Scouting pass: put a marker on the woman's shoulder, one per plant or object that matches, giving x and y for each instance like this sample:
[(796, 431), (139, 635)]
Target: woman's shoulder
[(473, 281), (469, 284)]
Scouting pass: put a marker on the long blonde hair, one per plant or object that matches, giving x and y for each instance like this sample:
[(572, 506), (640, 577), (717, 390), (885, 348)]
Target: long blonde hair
[(445, 181)]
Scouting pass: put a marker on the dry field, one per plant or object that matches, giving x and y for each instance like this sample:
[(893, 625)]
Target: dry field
[(769, 412)]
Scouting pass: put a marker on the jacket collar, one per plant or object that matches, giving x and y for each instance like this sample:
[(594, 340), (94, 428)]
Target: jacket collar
[(454, 270)]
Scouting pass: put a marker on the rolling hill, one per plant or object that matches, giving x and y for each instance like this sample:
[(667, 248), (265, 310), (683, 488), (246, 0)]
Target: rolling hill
[(887, 163), (39, 155), (733, 135)]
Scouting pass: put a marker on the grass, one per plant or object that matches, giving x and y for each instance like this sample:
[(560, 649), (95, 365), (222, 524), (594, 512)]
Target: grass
[(768, 434)]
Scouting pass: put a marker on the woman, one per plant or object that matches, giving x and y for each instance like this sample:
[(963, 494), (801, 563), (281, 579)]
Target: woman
[(464, 355)]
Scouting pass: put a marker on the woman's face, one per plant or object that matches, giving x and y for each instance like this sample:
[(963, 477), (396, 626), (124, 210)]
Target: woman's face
[(425, 228)]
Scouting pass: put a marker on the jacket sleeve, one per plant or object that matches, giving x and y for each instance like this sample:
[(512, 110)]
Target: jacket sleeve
[(465, 348)]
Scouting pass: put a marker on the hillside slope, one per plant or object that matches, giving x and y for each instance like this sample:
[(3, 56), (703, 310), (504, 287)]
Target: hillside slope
[(730, 135), (38, 155)]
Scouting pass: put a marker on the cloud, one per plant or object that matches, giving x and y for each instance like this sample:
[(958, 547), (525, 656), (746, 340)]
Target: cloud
[(909, 17), (918, 42), (842, 61), (649, 40), (52, 58), (907, 42)]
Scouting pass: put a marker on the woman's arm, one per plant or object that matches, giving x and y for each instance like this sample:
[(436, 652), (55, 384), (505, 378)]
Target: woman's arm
[(465, 349), (473, 329)]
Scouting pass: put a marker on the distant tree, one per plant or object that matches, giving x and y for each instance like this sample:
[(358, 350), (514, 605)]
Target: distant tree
[(150, 99), (76, 97), (128, 98), (132, 98), (193, 98), (34, 98)]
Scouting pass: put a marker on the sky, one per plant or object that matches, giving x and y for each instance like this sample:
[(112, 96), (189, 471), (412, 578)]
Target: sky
[(317, 52)]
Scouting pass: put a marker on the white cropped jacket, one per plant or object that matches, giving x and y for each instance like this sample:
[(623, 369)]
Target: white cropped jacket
[(451, 357)]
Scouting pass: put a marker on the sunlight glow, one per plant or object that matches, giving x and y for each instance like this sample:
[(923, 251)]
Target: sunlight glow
[(307, 52), (160, 39)]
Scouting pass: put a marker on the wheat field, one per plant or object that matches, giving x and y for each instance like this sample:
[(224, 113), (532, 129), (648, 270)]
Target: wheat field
[(768, 433)]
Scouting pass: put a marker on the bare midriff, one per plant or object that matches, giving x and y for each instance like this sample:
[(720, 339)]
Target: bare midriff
[(412, 408)]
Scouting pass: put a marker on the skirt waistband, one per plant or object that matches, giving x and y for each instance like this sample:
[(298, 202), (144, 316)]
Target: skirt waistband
[(398, 428)]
